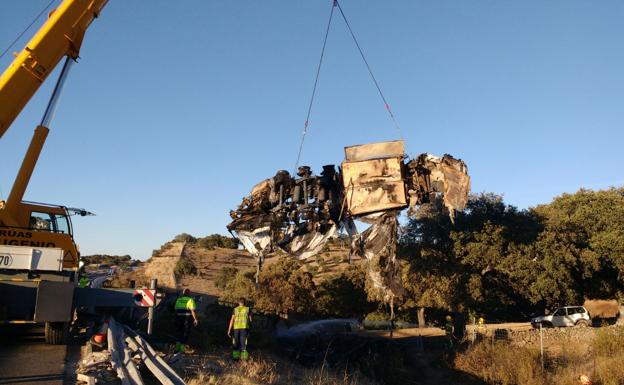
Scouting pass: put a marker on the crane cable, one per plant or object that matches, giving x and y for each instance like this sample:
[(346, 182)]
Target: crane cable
[(370, 71), (6, 50), (316, 79), (27, 28), (336, 4)]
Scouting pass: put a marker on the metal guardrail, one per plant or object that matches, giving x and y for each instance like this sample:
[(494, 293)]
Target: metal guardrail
[(120, 356), (122, 342)]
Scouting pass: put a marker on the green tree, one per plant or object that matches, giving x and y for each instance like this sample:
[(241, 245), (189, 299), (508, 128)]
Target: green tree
[(580, 253), (344, 295), (284, 287), (461, 266), (506, 262)]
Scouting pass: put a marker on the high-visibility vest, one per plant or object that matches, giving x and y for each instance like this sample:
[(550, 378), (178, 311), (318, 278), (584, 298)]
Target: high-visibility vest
[(241, 317), (184, 305)]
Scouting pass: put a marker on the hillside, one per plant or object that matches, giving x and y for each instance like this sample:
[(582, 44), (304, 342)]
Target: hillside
[(208, 262)]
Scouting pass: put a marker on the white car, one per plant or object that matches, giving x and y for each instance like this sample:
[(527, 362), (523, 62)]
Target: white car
[(563, 317)]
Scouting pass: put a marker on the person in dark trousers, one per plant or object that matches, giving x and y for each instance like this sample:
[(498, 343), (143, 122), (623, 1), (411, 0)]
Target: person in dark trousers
[(185, 318), (240, 320), (448, 330)]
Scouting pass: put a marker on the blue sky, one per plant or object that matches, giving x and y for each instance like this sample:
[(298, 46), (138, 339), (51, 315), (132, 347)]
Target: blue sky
[(177, 108)]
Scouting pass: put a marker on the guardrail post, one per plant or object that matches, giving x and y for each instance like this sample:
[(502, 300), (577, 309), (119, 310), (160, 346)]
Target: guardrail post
[(541, 333), (150, 310)]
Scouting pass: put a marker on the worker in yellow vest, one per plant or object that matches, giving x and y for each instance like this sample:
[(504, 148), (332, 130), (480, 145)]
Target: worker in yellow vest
[(241, 318), (185, 318)]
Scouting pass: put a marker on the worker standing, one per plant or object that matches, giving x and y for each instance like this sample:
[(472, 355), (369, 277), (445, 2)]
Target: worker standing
[(185, 318), (240, 320), (448, 330)]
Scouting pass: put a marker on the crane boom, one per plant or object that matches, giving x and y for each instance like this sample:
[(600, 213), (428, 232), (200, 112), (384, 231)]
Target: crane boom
[(61, 35)]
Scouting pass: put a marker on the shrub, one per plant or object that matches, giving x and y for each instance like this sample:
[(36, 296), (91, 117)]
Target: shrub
[(217, 240), (184, 237), (499, 363), (184, 267), (224, 276), (242, 285)]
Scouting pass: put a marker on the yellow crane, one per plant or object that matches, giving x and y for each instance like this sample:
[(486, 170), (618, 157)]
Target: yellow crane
[(38, 256)]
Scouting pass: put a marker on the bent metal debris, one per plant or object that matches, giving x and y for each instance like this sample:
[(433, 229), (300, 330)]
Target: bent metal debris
[(376, 181)]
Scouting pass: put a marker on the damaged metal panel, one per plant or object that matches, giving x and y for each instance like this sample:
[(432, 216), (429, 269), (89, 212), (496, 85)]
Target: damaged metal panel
[(392, 149), (373, 185), (430, 174)]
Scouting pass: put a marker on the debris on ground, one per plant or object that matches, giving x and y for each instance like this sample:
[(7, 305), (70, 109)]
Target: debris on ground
[(121, 357)]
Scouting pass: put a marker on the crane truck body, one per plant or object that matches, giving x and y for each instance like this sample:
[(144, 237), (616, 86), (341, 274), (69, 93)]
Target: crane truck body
[(39, 259)]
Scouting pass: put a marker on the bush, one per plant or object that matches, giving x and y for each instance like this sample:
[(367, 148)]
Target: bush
[(184, 237), (217, 240), (499, 363), (184, 267), (99, 259), (224, 276), (243, 285)]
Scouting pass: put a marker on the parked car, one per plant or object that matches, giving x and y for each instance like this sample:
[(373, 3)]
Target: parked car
[(563, 317)]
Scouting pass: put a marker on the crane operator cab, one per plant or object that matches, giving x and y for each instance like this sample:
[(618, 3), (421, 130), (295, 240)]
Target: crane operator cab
[(41, 230)]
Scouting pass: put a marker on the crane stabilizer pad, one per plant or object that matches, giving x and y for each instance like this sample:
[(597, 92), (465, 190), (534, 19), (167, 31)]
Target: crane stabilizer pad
[(54, 301)]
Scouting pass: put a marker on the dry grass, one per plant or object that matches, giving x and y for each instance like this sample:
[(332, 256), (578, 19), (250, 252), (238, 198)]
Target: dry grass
[(264, 370), (501, 363)]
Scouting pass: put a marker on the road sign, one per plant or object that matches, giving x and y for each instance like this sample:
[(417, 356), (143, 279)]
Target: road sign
[(144, 297)]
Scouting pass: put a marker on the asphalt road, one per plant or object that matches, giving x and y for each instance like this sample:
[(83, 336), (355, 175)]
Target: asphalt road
[(25, 358)]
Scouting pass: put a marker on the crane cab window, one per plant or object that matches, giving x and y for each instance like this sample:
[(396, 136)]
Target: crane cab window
[(62, 224), (40, 221)]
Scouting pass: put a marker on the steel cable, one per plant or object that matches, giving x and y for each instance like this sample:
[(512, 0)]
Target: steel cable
[(26, 29), (316, 79), (370, 71)]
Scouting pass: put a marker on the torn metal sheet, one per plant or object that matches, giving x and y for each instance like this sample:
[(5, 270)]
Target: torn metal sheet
[(379, 150), (255, 241), (299, 214), (308, 245), (378, 245)]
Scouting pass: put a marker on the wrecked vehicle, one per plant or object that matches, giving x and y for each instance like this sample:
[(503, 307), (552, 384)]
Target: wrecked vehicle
[(299, 214)]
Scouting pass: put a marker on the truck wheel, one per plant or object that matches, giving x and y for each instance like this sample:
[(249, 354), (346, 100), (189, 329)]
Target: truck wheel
[(55, 332), (582, 323)]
